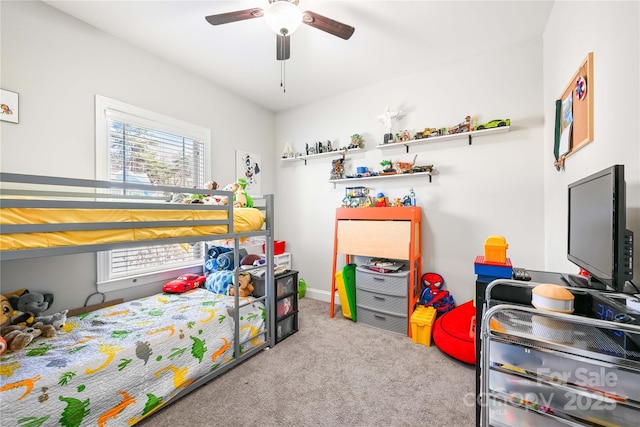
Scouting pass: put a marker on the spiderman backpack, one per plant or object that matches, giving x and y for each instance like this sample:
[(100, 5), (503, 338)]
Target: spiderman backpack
[(433, 295)]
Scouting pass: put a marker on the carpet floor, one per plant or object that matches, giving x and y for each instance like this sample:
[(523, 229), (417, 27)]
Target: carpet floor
[(333, 372)]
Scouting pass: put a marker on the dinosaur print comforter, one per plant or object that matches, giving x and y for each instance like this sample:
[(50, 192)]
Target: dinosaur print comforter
[(117, 365)]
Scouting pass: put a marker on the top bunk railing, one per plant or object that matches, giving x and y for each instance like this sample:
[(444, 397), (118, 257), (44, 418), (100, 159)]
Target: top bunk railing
[(137, 202)]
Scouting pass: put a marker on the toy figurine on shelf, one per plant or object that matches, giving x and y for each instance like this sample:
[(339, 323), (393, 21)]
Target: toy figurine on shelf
[(356, 141), (397, 202), (387, 168), (467, 125), (386, 118), (356, 197), (337, 169), (287, 153), (409, 199), (382, 201)]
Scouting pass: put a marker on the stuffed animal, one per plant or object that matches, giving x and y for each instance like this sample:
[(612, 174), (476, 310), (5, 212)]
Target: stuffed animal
[(33, 303), (56, 320), (233, 188), (245, 287), (241, 194), (18, 337), (5, 315)]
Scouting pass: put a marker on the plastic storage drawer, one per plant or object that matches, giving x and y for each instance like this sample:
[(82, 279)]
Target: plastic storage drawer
[(285, 327), (386, 283), (571, 369), (285, 284), (382, 320), (379, 301)]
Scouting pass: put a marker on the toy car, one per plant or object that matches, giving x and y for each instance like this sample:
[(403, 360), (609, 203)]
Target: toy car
[(184, 283), (494, 124)]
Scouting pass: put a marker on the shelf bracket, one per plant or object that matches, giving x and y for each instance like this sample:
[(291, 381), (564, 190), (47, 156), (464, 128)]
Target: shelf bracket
[(406, 147), (470, 138), (305, 162)]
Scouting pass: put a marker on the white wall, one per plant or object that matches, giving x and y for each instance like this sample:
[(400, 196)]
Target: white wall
[(493, 187), (503, 184), (611, 30), (58, 64)]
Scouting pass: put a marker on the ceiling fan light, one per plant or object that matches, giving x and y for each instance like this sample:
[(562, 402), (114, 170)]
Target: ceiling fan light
[(283, 17)]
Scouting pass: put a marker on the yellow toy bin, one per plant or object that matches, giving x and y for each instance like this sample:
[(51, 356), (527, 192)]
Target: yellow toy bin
[(344, 301), (495, 250), (421, 323)]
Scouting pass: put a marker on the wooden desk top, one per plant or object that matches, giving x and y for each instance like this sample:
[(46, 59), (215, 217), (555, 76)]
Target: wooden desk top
[(412, 213)]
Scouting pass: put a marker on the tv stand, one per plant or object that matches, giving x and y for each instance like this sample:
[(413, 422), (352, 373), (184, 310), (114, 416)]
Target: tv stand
[(578, 281)]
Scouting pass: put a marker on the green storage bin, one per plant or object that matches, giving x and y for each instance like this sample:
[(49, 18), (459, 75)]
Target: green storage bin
[(349, 277), (302, 288)]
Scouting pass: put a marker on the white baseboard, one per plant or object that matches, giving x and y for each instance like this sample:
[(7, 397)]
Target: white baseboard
[(321, 295)]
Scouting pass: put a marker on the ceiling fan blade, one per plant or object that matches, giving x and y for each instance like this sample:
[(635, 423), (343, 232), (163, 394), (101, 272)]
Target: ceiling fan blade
[(239, 15), (327, 25), (283, 47)]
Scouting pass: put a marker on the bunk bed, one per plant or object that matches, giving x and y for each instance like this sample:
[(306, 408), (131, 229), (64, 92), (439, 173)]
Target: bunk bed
[(119, 364)]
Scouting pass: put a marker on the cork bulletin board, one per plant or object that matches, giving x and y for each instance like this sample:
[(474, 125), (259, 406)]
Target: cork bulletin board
[(577, 101)]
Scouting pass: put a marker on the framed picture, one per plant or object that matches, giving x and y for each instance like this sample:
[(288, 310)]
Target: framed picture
[(8, 106), (248, 167)]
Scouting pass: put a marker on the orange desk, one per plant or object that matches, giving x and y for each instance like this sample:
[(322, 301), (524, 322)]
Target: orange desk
[(379, 233)]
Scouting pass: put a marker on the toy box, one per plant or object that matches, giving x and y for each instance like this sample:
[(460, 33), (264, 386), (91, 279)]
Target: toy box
[(421, 323)]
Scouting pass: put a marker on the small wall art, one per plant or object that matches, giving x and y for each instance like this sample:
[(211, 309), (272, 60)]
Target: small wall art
[(9, 106), (248, 166)]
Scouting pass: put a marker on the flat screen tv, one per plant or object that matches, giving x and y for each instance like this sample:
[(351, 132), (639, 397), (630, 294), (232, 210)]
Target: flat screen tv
[(598, 240)]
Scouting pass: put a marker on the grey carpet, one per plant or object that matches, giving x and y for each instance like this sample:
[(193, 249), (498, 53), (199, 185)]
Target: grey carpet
[(333, 372)]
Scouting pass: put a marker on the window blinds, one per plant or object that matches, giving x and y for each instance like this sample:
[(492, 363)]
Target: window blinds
[(141, 152)]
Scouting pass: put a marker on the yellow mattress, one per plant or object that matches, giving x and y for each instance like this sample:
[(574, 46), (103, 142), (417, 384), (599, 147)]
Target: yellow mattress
[(245, 219)]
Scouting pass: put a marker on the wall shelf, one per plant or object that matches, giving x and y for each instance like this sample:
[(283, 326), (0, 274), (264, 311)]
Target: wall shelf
[(365, 178), (335, 153), (468, 135)]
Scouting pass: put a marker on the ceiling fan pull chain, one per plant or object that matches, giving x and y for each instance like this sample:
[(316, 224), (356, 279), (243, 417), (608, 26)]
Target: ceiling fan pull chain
[(284, 78)]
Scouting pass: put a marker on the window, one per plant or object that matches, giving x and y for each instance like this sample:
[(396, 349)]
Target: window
[(136, 145)]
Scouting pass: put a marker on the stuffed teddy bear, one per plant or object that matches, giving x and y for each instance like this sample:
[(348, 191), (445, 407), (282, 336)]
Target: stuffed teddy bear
[(233, 188), (18, 337), (245, 287)]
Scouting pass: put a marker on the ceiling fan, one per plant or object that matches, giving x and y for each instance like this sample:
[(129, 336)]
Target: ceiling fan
[(284, 17)]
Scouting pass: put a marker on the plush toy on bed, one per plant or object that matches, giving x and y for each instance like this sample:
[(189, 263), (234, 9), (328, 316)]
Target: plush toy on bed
[(245, 287), (32, 304), (242, 196), (56, 320), (17, 337)]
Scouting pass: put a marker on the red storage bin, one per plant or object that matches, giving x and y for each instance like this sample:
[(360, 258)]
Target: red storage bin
[(278, 247)]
